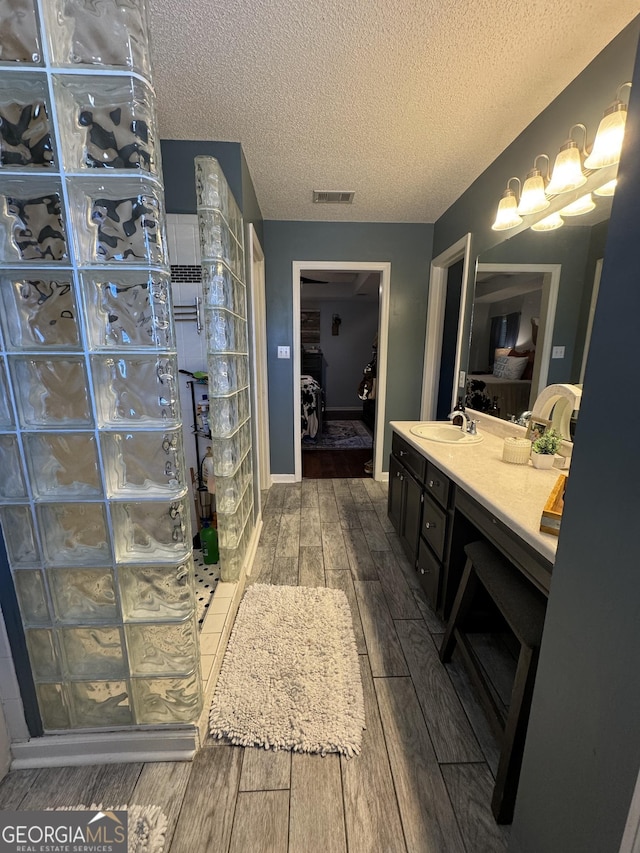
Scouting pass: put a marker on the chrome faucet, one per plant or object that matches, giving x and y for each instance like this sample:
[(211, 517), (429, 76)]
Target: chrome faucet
[(471, 424)]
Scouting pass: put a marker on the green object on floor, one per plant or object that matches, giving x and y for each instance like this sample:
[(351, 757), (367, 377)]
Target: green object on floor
[(209, 541)]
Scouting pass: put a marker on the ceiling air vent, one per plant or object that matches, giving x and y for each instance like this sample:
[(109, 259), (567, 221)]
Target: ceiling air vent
[(332, 197)]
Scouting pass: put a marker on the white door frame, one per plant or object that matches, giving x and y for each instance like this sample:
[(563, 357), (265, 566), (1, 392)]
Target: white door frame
[(592, 312), (435, 324), (550, 288), (384, 268), (260, 395)]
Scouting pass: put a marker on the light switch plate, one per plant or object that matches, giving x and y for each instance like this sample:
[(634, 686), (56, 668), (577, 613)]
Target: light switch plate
[(461, 379), (284, 352), (558, 352)]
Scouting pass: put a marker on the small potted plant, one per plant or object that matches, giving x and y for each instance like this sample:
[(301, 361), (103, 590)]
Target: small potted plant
[(544, 447)]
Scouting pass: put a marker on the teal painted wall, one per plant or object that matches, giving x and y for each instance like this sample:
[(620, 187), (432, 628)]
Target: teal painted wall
[(583, 746), (179, 172), (408, 248)]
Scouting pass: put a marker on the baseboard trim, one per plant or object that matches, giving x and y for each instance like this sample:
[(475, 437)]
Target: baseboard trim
[(75, 750), (384, 477), (283, 478)]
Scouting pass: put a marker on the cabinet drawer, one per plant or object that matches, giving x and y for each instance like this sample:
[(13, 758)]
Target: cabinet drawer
[(412, 459), (429, 570), (434, 525), (438, 484)]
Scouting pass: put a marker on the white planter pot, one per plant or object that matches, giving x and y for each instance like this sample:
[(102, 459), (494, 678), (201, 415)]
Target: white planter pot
[(542, 460)]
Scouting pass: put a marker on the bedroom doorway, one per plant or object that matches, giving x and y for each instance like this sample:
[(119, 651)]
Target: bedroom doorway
[(340, 342)]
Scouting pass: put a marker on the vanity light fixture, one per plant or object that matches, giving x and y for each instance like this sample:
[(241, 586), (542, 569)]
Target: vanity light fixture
[(549, 223), (585, 204), (567, 170), (608, 142), (533, 198), (507, 215), (607, 189)]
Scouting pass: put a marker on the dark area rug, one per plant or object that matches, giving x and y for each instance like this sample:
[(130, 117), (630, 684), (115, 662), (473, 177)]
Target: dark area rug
[(338, 435)]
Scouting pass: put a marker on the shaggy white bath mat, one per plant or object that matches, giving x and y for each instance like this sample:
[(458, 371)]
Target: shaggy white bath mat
[(290, 677)]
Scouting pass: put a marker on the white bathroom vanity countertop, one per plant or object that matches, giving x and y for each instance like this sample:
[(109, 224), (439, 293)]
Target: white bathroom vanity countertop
[(514, 494)]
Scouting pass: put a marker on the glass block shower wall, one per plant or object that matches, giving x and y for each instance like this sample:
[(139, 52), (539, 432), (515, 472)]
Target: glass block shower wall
[(93, 488), (225, 300)]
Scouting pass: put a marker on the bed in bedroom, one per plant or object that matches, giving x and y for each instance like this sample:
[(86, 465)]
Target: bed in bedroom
[(507, 388)]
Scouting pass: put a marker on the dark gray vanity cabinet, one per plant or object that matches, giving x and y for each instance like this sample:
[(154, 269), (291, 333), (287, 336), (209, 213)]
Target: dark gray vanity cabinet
[(407, 470), (435, 532)]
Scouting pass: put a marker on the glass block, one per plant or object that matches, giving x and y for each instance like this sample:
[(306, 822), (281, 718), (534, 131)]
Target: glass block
[(212, 190), (54, 391), (19, 536), (12, 485), (39, 312), (138, 390), (43, 653), (143, 463), (226, 332), (95, 652), (128, 310), (76, 534), (150, 531), (229, 490), (54, 706), (32, 595), (215, 238), (167, 700), (111, 33), (231, 527), (101, 703), (227, 373), (63, 464), (31, 221), (228, 453), (107, 123), (227, 413), (6, 412), (83, 595), (118, 221), (169, 649), (221, 289), (157, 592), (19, 39), (25, 129)]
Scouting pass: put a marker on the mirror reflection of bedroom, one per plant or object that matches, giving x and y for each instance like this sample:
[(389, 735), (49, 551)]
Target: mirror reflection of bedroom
[(506, 316), (338, 333)]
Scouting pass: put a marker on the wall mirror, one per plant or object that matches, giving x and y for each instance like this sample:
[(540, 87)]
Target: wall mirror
[(533, 303)]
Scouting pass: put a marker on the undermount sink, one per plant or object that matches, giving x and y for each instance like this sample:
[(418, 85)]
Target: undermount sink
[(444, 432)]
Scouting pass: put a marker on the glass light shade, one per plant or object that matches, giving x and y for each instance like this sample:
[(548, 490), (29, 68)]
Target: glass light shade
[(507, 215), (533, 199), (608, 142), (607, 189), (549, 223), (567, 171), (582, 205)]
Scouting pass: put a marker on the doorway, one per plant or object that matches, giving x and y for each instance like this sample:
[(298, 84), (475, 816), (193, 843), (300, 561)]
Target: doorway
[(340, 319)]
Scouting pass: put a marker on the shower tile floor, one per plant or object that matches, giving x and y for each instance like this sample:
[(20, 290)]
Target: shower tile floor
[(206, 579)]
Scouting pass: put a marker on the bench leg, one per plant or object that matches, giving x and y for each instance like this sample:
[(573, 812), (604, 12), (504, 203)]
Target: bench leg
[(461, 605), (506, 787)]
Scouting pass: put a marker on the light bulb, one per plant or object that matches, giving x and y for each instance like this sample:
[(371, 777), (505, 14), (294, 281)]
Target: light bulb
[(549, 223), (507, 215), (567, 170), (582, 205), (608, 141), (533, 199), (607, 189)]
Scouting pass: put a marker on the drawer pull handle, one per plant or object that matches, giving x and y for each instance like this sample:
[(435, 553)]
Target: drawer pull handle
[(421, 571), (403, 453), (430, 525), (433, 483)]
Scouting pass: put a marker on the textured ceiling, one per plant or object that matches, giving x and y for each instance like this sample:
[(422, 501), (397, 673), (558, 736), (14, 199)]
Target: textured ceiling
[(404, 101)]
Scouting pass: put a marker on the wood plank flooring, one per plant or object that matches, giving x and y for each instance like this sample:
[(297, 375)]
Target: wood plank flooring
[(423, 781)]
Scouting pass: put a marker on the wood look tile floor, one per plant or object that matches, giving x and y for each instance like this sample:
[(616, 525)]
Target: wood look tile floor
[(424, 778)]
